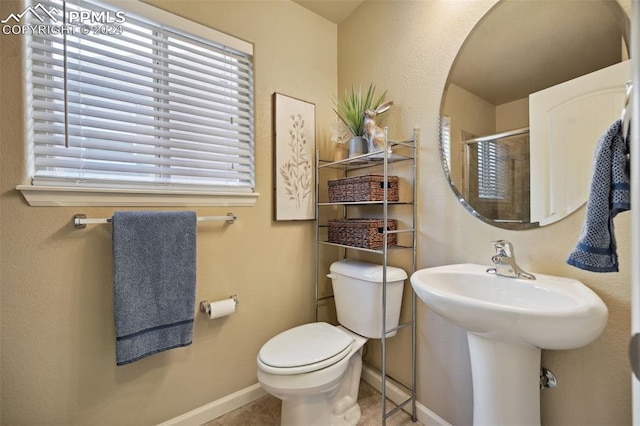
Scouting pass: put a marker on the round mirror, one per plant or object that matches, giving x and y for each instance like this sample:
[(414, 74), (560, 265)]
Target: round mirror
[(532, 89)]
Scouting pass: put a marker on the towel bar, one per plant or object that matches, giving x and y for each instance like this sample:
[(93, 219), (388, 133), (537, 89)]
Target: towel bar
[(80, 220)]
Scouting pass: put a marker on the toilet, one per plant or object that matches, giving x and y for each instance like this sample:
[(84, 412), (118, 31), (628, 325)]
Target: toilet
[(315, 368)]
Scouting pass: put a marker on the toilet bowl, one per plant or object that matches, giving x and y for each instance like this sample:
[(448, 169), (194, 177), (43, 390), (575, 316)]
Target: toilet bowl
[(315, 368)]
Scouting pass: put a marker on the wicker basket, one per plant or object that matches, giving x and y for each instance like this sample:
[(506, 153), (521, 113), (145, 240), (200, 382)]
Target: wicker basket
[(365, 233), (363, 188)]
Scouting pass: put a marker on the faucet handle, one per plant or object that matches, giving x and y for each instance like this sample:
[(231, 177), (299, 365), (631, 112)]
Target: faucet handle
[(503, 247), (505, 261)]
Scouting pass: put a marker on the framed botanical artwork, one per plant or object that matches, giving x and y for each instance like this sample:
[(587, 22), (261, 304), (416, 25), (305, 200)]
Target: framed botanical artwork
[(294, 130)]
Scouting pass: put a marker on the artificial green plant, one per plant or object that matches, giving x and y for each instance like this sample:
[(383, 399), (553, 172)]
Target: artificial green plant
[(351, 107)]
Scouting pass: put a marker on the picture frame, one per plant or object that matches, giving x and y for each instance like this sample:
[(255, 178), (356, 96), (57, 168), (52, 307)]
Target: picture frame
[(294, 135)]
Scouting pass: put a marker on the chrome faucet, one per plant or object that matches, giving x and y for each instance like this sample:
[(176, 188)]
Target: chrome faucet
[(505, 262)]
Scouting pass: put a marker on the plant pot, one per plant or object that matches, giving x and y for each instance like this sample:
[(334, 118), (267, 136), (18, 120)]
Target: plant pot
[(357, 146)]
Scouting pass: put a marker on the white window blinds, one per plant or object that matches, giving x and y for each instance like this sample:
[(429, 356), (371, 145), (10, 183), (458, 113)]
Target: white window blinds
[(445, 138), (149, 106), (492, 170)]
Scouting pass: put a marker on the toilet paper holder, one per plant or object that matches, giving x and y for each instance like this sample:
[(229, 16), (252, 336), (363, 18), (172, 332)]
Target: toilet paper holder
[(204, 305)]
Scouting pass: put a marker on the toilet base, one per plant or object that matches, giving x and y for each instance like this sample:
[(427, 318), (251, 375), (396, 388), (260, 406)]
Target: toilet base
[(349, 417), (316, 411)]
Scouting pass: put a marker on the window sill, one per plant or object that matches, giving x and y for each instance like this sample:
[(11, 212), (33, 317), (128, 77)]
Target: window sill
[(50, 196)]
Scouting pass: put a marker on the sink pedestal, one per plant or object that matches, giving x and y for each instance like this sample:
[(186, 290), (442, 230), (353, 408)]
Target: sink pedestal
[(506, 382)]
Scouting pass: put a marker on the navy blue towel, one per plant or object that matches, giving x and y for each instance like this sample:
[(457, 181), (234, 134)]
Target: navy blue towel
[(154, 256), (609, 195)]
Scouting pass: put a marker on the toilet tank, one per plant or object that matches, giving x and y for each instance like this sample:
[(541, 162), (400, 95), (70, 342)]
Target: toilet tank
[(357, 290)]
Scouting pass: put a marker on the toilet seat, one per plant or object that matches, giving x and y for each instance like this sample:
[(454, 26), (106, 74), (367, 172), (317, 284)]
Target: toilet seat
[(304, 349)]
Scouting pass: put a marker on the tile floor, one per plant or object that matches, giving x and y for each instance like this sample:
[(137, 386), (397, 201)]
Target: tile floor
[(266, 412)]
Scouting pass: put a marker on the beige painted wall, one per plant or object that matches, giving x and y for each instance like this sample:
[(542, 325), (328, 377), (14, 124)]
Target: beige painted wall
[(512, 115), (471, 114), (58, 362), (410, 53)]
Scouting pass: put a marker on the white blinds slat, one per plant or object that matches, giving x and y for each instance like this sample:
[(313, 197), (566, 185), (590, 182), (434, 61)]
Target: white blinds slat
[(123, 102), (146, 147), (144, 79), (139, 168), (215, 160), (49, 134), (112, 131), (139, 96)]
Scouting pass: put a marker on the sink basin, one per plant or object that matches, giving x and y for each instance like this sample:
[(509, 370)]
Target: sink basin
[(508, 322), (549, 312)]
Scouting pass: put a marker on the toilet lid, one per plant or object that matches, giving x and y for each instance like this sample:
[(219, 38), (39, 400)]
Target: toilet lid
[(306, 348)]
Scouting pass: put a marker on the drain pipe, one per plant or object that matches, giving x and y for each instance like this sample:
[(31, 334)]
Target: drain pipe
[(548, 380)]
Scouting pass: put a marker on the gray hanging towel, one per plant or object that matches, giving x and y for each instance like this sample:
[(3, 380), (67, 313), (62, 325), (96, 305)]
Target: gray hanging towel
[(609, 195), (154, 256)]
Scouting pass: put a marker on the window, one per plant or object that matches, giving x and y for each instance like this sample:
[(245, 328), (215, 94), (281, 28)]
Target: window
[(129, 100), (492, 170), (445, 138)]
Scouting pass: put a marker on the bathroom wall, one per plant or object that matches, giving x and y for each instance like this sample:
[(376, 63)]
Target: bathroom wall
[(407, 48), (58, 361), (512, 115), (471, 114)]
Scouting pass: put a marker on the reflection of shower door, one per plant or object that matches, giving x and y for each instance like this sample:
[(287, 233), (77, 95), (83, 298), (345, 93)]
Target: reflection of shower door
[(497, 177)]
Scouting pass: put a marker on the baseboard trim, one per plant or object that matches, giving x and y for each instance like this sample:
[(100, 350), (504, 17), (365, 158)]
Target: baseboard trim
[(224, 405), (218, 407), (398, 395)]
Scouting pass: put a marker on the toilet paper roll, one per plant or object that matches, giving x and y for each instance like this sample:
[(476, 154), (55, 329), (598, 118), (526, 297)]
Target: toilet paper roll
[(222, 308)]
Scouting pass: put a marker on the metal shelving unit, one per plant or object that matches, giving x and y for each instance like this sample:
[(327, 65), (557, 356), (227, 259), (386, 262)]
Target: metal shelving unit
[(395, 152)]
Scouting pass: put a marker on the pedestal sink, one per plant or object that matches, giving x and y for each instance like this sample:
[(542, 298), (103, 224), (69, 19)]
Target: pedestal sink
[(508, 322)]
